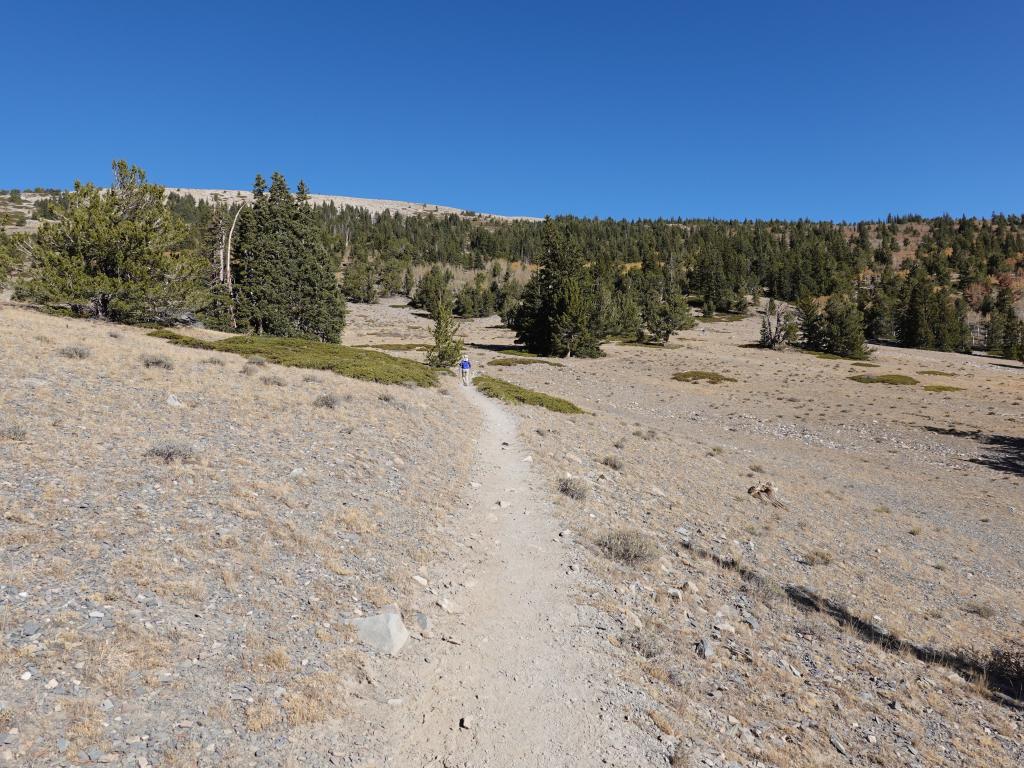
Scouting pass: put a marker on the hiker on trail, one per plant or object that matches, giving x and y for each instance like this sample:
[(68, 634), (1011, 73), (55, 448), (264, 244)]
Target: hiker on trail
[(464, 367)]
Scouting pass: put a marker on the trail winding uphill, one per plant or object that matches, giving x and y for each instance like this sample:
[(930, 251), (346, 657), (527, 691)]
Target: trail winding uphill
[(513, 677)]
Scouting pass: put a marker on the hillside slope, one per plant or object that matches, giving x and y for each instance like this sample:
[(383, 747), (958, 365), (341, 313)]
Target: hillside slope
[(231, 196)]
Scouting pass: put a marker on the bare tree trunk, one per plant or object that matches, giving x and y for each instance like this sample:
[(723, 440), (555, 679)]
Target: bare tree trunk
[(227, 259)]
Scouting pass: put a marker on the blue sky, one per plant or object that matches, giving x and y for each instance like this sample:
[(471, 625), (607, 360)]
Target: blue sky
[(841, 110)]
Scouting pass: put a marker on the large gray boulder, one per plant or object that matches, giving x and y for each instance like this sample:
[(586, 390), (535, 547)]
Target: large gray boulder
[(384, 632)]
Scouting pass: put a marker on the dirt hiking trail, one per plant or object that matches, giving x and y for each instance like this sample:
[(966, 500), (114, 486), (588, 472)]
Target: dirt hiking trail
[(526, 684)]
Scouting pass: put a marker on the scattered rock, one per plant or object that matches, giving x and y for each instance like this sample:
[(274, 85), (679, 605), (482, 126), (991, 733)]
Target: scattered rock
[(174, 402), (383, 632), (837, 744), (447, 605), (466, 722), (706, 648)]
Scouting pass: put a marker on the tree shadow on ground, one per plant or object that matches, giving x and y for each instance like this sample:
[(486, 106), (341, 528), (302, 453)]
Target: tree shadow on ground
[(496, 347), (1004, 453)]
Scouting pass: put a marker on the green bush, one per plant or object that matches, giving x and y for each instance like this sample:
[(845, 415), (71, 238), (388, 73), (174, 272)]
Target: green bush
[(507, 361), (365, 364), (885, 378), (709, 376), (512, 393)]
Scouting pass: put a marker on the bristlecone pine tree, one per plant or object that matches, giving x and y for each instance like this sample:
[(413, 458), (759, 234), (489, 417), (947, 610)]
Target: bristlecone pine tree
[(447, 347), (779, 328), (284, 283), (118, 254)]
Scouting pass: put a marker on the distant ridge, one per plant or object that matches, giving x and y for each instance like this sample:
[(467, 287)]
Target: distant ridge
[(369, 204)]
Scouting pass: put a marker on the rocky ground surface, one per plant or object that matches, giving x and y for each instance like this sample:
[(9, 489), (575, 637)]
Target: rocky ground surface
[(425, 577), (190, 607), (901, 504)]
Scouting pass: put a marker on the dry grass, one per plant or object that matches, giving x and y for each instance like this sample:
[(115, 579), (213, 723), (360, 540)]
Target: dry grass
[(326, 401), (818, 557), (628, 546), (157, 361), (613, 462), (75, 352), (573, 487), (12, 432), (171, 452)]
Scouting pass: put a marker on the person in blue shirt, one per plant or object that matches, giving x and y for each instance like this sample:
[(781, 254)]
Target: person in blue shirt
[(464, 367)]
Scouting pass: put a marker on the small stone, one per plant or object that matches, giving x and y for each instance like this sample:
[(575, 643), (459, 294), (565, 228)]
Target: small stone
[(724, 626), (95, 614), (872, 739), (384, 632), (419, 580), (422, 621), (732, 720), (565, 533), (26, 675), (474, 484), (174, 402), (466, 722), (706, 648), (51, 684), (837, 744), (447, 605)]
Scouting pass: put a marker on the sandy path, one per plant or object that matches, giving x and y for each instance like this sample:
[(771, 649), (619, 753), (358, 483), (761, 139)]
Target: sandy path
[(533, 682)]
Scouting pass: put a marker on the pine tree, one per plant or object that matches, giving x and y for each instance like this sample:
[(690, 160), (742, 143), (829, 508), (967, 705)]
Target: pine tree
[(360, 279), (571, 325), (1005, 329), (433, 289), (557, 314), (842, 328), (810, 321), (283, 277), (119, 254), (447, 347)]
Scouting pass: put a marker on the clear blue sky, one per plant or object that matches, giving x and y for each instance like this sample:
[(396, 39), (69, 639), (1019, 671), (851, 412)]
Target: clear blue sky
[(820, 109)]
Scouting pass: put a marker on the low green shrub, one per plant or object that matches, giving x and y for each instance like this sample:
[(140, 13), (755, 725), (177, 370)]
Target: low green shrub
[(885, 378), (709, 376), (513, 393), (365, 364), (522, 360)]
